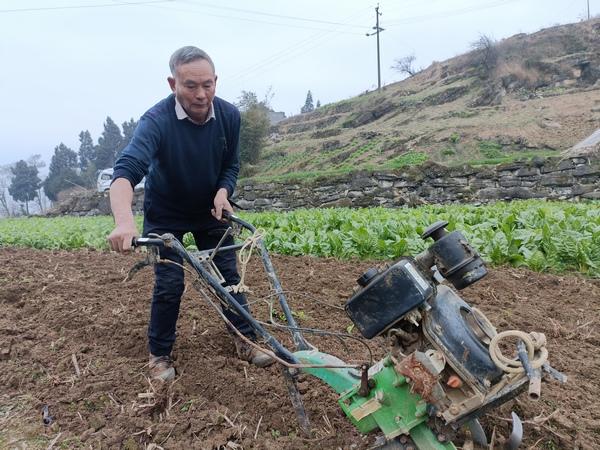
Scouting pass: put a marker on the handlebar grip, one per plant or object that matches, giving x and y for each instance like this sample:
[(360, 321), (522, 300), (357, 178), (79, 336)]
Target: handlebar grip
[(144, 241)]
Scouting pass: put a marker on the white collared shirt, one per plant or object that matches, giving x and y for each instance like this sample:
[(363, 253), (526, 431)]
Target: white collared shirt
[(181, 114)]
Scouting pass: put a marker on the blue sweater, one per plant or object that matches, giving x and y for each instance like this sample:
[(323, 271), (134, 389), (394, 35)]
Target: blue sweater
[(184, 164)]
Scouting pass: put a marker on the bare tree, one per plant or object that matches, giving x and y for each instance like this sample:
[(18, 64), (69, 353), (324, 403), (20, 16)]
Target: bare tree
[(6, 201), (486, 54), (405, 65)]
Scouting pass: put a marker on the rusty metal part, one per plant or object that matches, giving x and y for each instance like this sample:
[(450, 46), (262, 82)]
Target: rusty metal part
[(422, 379), (364, 389), (404, 336), (404, 339)]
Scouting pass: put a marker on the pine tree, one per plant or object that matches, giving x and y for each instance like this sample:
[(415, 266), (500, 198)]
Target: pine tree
[(318, 105), (25, 183), (37, 162), (308, 104), (128, 129), (87, 159), (62, 173), (63, 159), (109, 145), (87, 151)]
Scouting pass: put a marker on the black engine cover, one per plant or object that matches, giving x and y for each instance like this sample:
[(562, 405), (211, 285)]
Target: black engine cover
[(387, 297), (445, 324)]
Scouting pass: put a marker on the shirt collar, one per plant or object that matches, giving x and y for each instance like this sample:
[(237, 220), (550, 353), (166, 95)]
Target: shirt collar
[(181, 114)]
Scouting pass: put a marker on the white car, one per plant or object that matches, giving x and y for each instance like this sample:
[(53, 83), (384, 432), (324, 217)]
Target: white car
[(105, 177)]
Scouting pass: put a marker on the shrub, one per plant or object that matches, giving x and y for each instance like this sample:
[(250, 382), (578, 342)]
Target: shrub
[(490, 149)]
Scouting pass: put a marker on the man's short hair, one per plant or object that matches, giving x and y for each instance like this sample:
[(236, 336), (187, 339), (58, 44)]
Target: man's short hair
[(186, 55)]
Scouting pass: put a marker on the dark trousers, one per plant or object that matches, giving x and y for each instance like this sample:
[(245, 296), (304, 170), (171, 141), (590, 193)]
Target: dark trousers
[(169, 285)]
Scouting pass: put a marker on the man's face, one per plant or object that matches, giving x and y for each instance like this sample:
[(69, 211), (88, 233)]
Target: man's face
[(194, 86)]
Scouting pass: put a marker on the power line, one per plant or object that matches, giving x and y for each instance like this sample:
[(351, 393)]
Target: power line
[(262, 13), (100, 5), (245, 19), (443, 14), (287, 53)]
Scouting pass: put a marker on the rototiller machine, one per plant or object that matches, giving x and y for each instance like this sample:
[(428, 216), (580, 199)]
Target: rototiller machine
[(446, 367)]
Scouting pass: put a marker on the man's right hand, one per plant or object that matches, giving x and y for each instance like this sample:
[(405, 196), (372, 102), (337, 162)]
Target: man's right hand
[(120, 238), (121, 196)]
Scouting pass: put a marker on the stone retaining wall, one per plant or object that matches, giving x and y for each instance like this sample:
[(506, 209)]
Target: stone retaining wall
[(570, 178)]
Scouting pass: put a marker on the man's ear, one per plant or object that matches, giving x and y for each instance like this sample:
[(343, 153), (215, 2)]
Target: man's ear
[(171, 81)]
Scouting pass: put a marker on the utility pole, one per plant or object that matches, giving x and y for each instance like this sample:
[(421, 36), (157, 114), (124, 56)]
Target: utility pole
[(377, 31), (588, 5)]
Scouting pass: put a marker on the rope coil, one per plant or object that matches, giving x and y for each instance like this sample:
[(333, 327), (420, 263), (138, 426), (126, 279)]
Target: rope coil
[(534, 342)]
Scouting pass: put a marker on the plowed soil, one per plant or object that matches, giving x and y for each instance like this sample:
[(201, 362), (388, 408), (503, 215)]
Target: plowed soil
[(73, 339)]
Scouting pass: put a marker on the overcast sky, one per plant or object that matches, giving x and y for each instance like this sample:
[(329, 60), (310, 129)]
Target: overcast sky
[(67, 64)]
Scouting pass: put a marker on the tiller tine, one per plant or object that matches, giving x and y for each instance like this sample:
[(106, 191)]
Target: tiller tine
[(516, 436), (477, 432)]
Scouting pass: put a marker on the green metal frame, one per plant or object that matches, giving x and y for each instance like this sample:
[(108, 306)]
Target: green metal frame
[(390, 405)]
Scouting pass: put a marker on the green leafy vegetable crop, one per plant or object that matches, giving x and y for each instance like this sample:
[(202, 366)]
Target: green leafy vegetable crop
[(537, 234)]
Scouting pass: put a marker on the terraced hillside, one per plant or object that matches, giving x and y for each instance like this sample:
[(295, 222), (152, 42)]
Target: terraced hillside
[(527, 95)]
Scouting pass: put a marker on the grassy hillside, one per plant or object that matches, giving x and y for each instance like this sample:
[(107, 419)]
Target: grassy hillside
[(524, 96)]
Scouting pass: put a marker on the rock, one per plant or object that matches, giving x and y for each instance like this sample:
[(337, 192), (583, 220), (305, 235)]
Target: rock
[(331, 145), (585, 170), (556, 180), (4, 353), (527, 172), (592, 195)]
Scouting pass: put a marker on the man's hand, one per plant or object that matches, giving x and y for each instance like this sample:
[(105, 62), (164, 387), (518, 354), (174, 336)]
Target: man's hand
[(121, 195), (120, 238), (221, 203)]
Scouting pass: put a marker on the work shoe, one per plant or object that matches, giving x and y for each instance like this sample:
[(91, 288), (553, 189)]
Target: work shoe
[(251, 354), (161, 368)]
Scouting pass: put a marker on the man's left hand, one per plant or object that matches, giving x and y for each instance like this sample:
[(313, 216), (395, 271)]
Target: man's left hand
[(221, 203)]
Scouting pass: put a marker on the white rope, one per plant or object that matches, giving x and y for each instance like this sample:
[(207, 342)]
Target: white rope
[(244, 256), (533, 342)]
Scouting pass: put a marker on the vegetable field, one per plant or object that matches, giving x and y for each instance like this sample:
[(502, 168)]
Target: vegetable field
[(540, 235), (73, 333)]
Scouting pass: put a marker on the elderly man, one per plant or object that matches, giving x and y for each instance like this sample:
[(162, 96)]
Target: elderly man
[(187, 147)]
